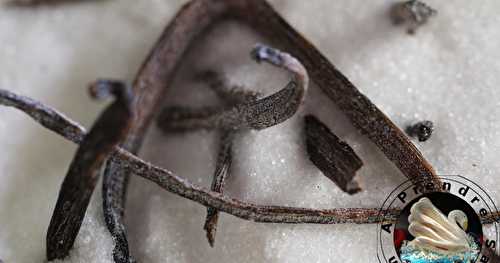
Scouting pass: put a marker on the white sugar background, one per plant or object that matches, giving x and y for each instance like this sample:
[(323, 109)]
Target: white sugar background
[(447, 73)]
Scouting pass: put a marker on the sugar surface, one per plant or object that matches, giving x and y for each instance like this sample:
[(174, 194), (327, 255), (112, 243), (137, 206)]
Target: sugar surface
[(447, 73)]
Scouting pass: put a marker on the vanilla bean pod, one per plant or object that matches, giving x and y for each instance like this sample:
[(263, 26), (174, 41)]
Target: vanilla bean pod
[(197, 16), (229, 94), (46, 116), (182, 119), (270, 214), (335, 158), (150, 85), (78, 185), (114, 192), (242, 111), (245, 210), (362, 113), (254, 114), (230, 97), (223, 165), (258, 213), (160, 66)]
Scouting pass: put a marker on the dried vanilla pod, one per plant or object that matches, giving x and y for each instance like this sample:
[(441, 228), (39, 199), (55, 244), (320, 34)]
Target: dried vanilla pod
[(46, 116), (229, 94), (156, 73), (198, 16), (78, 185), (114, 191), (222, 167), (252, 114), (182, 119), (335, 158), (177, 185), (241, 110)]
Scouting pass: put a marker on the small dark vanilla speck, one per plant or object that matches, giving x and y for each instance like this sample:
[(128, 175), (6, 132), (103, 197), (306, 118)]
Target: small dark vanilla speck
[(421, 130), (412, 13)]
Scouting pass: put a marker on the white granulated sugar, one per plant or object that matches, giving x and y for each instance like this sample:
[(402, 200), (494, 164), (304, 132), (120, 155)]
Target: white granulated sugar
[(447, 73)]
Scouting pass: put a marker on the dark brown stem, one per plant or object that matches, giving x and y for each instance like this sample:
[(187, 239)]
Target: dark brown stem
[(129, 163), (78, 185), (223, 165), (133, 165), (114, 180), (182, 187), (46, 116), (114, 192)]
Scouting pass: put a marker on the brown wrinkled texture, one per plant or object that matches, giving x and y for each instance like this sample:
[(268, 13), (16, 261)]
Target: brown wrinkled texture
[(241, 110), (335, 158), (198, 16), (222, 169), (258, 213), (160, 67), (78, 185)]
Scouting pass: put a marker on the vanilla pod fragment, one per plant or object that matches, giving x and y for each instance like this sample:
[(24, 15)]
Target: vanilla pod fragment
[(223, 166), (335, 158)]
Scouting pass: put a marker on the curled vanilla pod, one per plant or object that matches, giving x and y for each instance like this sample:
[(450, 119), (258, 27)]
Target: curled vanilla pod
[(334, 157), (107, 132), (241, 110), (251, 114)]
